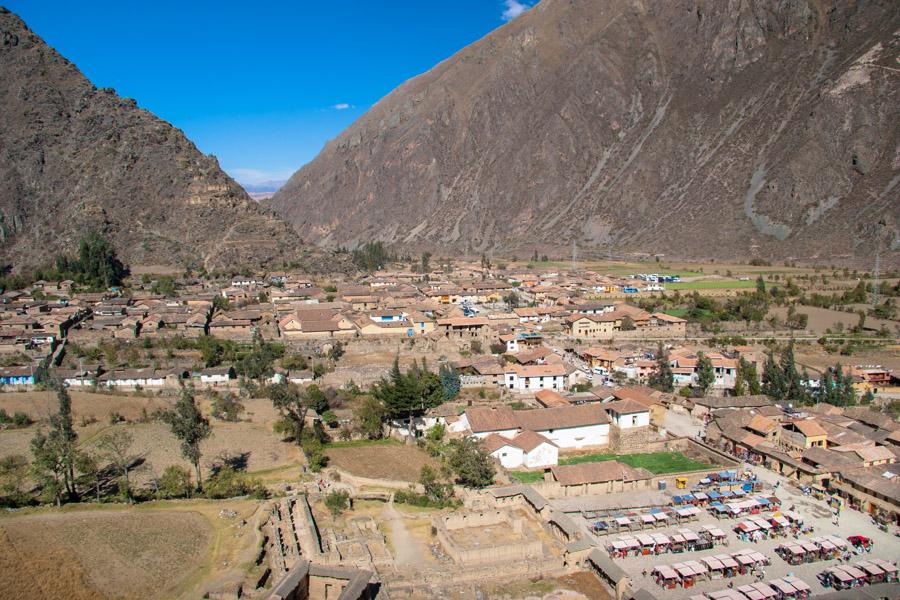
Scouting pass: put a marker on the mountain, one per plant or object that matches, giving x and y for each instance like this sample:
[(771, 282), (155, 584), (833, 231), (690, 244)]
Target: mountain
[(74, 158), (263, 187), (721, 129)]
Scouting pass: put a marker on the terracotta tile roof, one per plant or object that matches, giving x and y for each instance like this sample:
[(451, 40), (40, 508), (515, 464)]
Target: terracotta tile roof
[(529, 440), (491, 419), (597, 472), (562, 417), (551, 370), (626, 407), (551, 399), (810, 428)]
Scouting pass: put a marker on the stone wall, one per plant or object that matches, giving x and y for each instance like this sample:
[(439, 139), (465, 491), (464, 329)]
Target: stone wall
[(629, 441), (523, 548)]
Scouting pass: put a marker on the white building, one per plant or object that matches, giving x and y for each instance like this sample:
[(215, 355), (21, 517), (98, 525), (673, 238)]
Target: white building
[(527, 449), (525, 378), (567, 427), (627, 414)]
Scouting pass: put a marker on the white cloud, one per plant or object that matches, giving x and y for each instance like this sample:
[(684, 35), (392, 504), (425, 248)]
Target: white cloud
[(341, 106), (257, 176), (514, 8)]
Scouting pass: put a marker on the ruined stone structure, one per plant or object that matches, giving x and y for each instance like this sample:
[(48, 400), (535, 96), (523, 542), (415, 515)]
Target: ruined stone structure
[(486, 537)]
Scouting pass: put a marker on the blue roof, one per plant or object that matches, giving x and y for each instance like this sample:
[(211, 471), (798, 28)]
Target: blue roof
[(714, 495), (762, 501)]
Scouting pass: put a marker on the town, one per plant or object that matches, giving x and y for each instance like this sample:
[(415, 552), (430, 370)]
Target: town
[(431, 428)]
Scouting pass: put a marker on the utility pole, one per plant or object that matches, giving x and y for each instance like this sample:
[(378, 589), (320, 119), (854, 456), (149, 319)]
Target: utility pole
[(574, 253)]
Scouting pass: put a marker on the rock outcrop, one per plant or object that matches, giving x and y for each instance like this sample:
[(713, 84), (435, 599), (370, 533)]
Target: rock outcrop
[(74, 158), (721, 129)]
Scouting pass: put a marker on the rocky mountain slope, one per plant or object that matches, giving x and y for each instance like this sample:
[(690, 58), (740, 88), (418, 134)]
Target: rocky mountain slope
[(74, 158), (693, 128)]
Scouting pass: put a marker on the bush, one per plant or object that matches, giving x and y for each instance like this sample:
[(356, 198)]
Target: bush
[(337, 501), (228, 483), (226, 408), (174, 483)]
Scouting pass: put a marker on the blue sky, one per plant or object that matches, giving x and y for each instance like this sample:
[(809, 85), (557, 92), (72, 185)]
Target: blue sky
[(262, 85)]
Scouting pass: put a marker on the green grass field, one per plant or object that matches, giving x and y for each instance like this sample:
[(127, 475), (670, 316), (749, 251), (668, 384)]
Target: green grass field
[(527, 476), (716, 284), (658, 463)]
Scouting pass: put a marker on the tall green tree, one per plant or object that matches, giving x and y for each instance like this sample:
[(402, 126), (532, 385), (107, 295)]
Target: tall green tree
[(662, 379), (774, 384), (706, 376), (408, 394), (471, 464), (190, 427), (450, 382)]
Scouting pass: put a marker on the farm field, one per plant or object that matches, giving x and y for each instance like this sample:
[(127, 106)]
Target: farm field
[(658, 463), (116, 552), (382, 461)]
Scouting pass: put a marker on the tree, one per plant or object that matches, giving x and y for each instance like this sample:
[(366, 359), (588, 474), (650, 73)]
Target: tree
[(752, 379), (48, 466), (336, 501), (512, 300), (13, 471), (437, 492), (774, 385), (426, 266), (368, 417), (258, 362), (760, 286), (471, 464), (408, 394), (706, 376), (293, 404), (115, 447), (449, 382), (89, 466), (190, 427), (794, 389), (627, 324), (164, 286), (662, 379), (174, 483)]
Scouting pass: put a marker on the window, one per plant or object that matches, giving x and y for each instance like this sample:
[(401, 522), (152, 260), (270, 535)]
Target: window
[(634, 420)]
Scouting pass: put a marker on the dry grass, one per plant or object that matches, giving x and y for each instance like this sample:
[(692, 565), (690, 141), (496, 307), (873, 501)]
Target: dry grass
[(100, 554), (39, 405), (402, 463), (252, 440)]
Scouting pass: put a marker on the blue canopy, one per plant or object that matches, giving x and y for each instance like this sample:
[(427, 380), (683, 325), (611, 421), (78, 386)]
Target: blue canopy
[(720, 507), (726, 493), (762, 501), (714, 495), (706, 480), (739, 493)]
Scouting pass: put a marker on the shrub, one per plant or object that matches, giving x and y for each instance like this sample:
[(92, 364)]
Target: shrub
[(228, 483), (336, 501)]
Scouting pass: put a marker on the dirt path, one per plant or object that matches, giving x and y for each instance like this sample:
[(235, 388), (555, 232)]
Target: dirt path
[(407, 550)]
